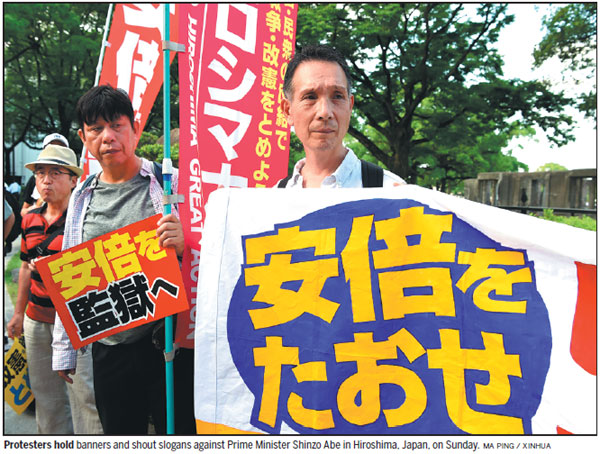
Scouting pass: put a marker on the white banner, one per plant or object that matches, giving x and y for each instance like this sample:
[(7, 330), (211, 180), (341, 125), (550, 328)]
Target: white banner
[(392, 311)]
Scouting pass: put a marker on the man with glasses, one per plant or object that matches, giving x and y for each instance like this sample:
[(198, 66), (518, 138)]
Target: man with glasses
[(58, 409)]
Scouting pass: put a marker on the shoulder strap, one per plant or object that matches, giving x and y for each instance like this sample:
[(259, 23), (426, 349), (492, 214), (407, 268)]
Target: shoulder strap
[(372, 175), (283, 182), (158, 172), (42, 248), (87, 182)]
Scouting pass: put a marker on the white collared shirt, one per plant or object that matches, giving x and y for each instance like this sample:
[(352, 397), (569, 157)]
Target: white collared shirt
[(347, 175)]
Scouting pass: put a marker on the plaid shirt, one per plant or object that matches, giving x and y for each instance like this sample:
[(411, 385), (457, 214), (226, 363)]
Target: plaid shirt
[(64, 357)]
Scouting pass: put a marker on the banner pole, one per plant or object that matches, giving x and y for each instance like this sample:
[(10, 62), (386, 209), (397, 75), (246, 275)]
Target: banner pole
[(167, 171), (104, 44)]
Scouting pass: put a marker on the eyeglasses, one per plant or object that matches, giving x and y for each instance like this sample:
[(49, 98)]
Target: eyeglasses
[(53, 173)]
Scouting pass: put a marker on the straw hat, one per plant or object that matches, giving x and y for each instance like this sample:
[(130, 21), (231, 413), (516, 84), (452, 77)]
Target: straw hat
[(58, 156)]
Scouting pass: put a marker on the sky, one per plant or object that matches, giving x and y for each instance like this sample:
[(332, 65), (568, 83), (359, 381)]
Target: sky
[(516, 44)]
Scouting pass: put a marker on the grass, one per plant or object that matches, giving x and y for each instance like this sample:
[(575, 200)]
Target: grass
[(12, 287), (583, 222)]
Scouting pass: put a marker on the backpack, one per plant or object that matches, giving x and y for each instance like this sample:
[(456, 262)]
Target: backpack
[(15, 231), (372, 176)]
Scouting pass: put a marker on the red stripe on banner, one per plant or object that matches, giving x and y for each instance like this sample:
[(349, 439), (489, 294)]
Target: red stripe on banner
[(583, 339), (561, 431)]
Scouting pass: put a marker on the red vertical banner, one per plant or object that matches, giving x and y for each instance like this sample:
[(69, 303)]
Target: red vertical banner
[(133, 59), (232, 130)]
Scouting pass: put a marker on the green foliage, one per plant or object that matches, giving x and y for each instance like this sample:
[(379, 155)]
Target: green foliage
[(155, 152), (50, 55), (12, 287), (551, 167), (571, 36), (430, 103), (583, 222)]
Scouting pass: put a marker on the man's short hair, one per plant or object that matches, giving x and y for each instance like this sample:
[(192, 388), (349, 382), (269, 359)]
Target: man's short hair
[(106, 102), (314, 53)]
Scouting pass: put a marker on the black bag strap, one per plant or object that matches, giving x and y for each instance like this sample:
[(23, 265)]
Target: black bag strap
[(158, 172), (372, 175), (42, 248), (282, 183)]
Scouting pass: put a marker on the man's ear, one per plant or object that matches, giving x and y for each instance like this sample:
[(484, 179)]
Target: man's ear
[(136, 127), (81, 135), (285, 108)]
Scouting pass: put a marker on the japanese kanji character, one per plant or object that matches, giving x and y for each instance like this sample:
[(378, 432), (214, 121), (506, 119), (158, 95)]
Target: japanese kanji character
[(272, 357), (122, 255), (495, 279), (93, 313), (288, 27), (285, 304), (73, 278), (273, 21), (269, 78), (270, 54), (413, 237), (281, 119), (370, 376), (134, 291), (286, 48), (454, 360), (149, 246)]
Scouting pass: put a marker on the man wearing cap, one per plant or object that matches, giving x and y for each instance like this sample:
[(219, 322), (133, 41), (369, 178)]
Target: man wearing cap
[(31, 197), (55, 172)]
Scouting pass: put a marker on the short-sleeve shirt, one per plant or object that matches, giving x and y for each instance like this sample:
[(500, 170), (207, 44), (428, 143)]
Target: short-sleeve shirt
[(35, 230)]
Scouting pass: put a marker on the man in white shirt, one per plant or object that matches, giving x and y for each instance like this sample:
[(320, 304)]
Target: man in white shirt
[(318, 104)]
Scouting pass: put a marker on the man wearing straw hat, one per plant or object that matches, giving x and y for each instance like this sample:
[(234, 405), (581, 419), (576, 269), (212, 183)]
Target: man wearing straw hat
[(59, 409)]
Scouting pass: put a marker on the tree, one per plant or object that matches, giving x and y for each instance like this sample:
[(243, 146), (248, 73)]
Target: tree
[(571, 36), (429, 96), (50, 55), (551, 167)]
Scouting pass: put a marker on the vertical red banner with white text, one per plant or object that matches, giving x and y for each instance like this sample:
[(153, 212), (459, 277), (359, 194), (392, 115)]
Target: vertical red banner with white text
[(232, 130), (133, 59)]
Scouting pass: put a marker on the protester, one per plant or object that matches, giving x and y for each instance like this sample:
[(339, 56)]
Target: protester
[(318, 104), (31, 197), (129, 372), (57, 412), (14, 187), (9, 219)]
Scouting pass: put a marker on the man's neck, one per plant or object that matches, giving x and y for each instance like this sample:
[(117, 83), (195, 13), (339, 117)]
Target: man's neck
[(121, 173), (320, 165), (55, 210)]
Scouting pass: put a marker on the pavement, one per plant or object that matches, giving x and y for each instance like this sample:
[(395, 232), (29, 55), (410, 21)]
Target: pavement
[(14, 424)]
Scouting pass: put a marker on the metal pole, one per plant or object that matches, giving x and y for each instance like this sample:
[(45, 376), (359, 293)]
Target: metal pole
[(167, 166), (104, 42)]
